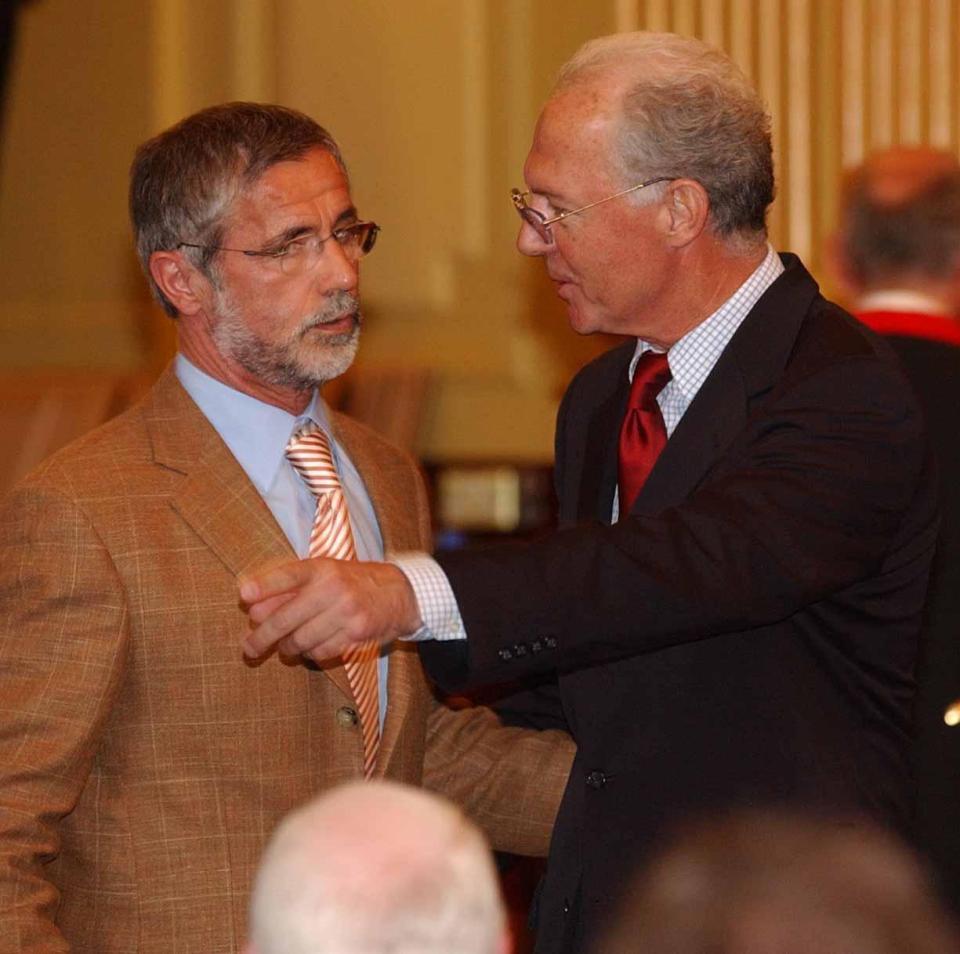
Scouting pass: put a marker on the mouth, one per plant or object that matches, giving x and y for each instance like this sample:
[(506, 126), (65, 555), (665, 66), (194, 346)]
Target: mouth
[(341, 325), (563, 287)]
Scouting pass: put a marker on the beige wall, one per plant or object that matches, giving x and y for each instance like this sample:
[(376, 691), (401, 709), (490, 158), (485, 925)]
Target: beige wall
[(433, 101)]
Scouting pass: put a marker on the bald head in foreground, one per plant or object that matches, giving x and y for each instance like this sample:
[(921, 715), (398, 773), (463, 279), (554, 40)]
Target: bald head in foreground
[(377, 868)]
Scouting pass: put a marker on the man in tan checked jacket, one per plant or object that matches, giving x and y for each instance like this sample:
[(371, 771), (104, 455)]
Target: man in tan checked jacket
[(143, 761)]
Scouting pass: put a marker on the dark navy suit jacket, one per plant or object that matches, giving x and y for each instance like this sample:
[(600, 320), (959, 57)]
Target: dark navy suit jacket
[(747, 635)]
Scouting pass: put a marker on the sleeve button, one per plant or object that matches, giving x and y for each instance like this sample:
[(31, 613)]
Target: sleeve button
[(505, 654), (596, 779)]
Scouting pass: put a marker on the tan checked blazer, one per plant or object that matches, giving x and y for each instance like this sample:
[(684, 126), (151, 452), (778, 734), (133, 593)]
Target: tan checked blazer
[(143, 762)]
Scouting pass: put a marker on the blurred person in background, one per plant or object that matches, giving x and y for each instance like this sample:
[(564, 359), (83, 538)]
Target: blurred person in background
[(896, 256), (775, 883)]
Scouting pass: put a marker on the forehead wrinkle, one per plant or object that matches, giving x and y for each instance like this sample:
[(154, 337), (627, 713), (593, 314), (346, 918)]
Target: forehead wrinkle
[(269, 207)]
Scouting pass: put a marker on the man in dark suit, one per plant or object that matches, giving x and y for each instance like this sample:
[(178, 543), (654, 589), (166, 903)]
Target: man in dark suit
[(897, 256), (732, 605)]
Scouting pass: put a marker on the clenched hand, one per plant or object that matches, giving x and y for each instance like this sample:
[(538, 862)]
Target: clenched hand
[(319, 607)]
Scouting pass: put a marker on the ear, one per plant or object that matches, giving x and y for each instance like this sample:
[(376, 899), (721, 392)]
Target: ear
[(180, 280), (688, 210)]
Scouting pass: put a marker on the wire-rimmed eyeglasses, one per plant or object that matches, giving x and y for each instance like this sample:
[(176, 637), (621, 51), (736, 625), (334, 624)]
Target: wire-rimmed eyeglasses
[(541, 224), (302, 253)]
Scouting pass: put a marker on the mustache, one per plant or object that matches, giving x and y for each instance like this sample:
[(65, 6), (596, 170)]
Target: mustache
[(341, 304)]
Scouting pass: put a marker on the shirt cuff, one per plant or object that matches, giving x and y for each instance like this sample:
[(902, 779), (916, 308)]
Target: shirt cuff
[(435, 599)]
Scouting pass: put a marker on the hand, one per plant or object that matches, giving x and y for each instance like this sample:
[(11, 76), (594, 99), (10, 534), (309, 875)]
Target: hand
[(318, 608)]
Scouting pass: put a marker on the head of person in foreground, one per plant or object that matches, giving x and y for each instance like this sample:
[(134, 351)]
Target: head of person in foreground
[(377, 868)]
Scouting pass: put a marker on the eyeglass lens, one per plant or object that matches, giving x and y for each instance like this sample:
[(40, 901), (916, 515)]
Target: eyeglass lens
[(535, 220), (355, 240)]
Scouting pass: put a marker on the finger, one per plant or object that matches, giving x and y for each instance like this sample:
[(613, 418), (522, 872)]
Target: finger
[(274, 580), (260, 610), (306, 610), (304, 642)]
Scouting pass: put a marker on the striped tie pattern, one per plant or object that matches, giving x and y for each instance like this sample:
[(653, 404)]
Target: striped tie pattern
[(309, 453)]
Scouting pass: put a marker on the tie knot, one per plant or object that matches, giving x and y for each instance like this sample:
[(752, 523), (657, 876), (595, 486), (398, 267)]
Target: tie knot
[(309, 453), (649, 378)]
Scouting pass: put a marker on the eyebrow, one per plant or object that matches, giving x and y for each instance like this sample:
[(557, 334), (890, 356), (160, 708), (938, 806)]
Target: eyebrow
[(553, 198), (296, 231)]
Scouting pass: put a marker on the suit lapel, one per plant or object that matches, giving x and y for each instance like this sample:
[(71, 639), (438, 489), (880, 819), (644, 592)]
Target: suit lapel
[(215, 496), (748, 367)]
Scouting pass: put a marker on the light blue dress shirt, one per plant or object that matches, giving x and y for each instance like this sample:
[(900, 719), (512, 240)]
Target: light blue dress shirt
[(257, 435)]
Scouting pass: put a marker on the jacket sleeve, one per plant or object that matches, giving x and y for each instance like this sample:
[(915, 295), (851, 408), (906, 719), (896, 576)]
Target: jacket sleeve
[(508, 779), (63, 631), (806, 502)]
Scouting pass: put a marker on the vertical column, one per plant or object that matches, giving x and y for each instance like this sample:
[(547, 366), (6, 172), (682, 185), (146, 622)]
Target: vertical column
[(799, 183), (943, 28), (253, 28), (883, 58), (711, 15), (169, 40), (474, 231), (912, 72), (626, 15), (854, 81), (769, 66), (657, 15), (685, 17), (742, 22)]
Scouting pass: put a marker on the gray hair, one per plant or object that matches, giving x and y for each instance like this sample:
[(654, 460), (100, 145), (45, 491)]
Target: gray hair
[(376, 868), (687, 111), (183, 181), (918, 235)]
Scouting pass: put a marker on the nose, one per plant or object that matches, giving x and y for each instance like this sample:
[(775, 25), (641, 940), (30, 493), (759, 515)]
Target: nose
[(529, 241), (342, 270)]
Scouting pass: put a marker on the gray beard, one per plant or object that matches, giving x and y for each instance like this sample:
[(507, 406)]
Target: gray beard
[(293, 364)]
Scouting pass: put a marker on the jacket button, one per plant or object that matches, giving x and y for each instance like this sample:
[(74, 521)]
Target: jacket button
[(505, 654), (566, 905), (347, 716), (596, 779)]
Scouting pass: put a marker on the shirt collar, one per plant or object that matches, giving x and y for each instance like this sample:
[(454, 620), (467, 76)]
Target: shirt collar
[(256, 432), (693, 356), (901, 299)]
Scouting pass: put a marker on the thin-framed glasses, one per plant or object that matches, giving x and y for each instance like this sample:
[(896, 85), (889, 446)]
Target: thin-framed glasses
[(541, 224), (301, 254)]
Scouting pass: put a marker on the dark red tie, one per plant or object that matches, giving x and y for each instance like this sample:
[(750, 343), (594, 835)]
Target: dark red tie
[(642, 434)]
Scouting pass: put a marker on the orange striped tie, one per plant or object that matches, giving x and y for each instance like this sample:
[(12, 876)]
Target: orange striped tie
[(309, 453)]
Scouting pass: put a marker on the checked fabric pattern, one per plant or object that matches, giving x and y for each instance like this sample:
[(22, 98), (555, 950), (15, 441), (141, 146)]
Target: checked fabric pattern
[(309, 453)]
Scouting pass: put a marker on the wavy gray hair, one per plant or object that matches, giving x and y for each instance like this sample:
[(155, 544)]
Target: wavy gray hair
[(687, 111), (183, 181)]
